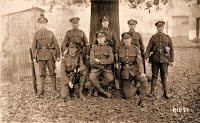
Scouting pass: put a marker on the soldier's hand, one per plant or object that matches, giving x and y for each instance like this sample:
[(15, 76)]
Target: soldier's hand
[(35, 56), (34, 60), (97, 60), (71, 85), (118, 66), (87, 56), (58, 59)]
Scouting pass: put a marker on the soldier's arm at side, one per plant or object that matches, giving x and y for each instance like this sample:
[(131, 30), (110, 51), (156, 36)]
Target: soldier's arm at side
[(86, 43), (56, 46), (121, 43), (34, 46), (171, 50), (141, 44), (110, 59), (64, 43), (64, 76), (139, 61), (116, 42), (94, 41), (149, 48)]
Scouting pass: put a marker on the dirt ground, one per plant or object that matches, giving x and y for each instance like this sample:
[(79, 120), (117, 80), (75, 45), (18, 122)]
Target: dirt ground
[(19, 104)]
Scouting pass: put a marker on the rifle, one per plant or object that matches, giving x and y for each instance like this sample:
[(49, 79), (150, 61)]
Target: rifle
[(119, 69), (143, 60), (74, 78), (116, 72), (33, 72)]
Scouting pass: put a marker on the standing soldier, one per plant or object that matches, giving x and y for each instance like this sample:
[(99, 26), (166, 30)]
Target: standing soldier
[(101, 60), (137, 38), (78, 37), (130, 62), (162, 54), (46, 51), (72, 70), (111, 41), (111, 38)]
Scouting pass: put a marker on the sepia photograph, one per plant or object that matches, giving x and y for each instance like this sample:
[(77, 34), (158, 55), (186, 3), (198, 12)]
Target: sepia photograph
[(100, 61)]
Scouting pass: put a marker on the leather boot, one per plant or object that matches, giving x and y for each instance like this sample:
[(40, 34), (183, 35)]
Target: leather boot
[(65, 91), (53, 80), (164, 83), (105, 93), (41, 89), (153, 84), (141, 103), (81, 92), (96, 92), (117, 84)]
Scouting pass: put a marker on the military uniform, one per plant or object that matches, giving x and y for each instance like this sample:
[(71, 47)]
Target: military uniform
[(113, 42), (68, 67), (111, 38), (46, 49), (78, 37), (137, 38), (131, 68), (162, 53), (105, 54)]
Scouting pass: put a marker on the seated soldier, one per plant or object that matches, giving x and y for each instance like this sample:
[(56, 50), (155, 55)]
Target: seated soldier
[(69, 63), (131, 69), (101, 59)]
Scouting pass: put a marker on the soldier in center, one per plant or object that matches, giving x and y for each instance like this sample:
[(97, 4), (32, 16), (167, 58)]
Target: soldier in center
[(130, 62), (101, 60), (112, 41)]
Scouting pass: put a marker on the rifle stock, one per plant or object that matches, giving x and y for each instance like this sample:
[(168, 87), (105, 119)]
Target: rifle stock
[(33, 72), (144, 63), (75, 75)]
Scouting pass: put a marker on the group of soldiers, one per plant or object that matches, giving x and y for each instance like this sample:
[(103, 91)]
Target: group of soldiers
[(105, 61)]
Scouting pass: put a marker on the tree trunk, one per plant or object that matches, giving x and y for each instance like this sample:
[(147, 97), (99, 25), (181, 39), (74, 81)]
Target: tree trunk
[(100, 8)]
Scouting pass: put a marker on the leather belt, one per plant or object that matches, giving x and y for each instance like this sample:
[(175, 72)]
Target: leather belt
[(129, 64)]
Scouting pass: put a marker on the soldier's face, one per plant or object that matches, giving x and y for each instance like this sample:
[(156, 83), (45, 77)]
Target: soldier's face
[(127, 41), (101, 39), (132, 26), (42, 25), (160, 29), (75, 26), (105, 23)]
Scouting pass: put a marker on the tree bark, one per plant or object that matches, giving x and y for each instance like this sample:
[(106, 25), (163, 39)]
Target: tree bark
[(100, 8)]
